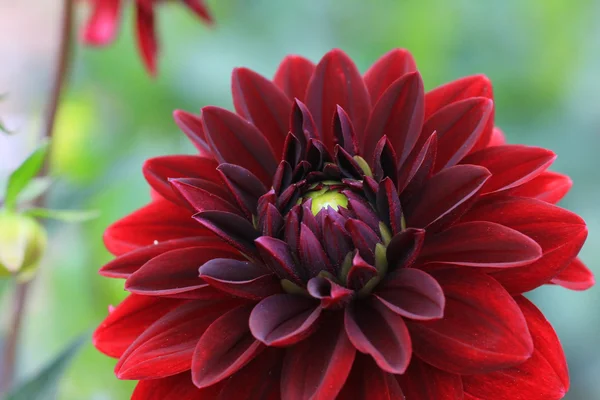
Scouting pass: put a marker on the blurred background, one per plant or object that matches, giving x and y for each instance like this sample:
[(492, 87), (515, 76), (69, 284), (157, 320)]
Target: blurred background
[(542, 56)]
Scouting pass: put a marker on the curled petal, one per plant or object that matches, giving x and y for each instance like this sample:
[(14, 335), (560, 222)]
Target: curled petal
[(575, 277), (330, 293), (278, 257)]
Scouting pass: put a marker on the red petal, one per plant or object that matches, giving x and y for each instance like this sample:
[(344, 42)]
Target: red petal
[(336, 81), (497, 139), (543, 377), (284, 319), (413, 294), (146, 36), (481, 244), (128, 321), (459, 126), (510, 165), (386, 70), (245, 187), (559, 232), (176, 271), (201, 195), (483, 329), (368, 381), (191, 125), (102, 26), (575, 277), (422, 381), (317, 367), (224, 348), (293, 76), (445, 197), (549, 186), (404, 248), (240, 278), (199, 8), (374, 329), (261, 102), (166, 347), (236, 141), (159, 221), (176, 387)]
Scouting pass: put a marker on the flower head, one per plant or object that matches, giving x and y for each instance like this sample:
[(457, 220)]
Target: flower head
[(101, 28), (344, 236)]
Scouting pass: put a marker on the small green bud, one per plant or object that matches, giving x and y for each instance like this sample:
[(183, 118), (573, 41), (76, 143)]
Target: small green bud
[(22, 243)]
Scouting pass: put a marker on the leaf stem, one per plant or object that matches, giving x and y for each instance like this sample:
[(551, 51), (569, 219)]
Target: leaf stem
[(22, 288)]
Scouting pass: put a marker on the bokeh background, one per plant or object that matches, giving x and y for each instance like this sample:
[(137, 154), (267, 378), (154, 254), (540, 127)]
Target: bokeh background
[(543, 57)]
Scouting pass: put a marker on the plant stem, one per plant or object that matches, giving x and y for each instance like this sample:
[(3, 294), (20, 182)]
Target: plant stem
[(22, 288)]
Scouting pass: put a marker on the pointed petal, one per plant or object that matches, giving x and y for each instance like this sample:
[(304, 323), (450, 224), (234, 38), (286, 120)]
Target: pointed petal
[(278, 257), (417, 168), (191, 125), (240, 278), (336, 81), (398, 114), (446, 196), (176, 387), (343, 132), (236, 141), (218, 355), (497, 139), (317, 367), (368, 381), (243, 185), (425, 382), (311, 253), (388, 206), (510, 165), (128, 321), (404, 248), (387, 69), (201, 195), (548, 186), (284, 319), (481, 244), (364, 239), (263, 104), (232, 228), (166, 347), (458, 126), (384, 161), (102, 26), (413, 294), (302, 124), (331, 294), (374, 329), (293, 75), (483, 329), (199, 8), (146, 36), (336, 241), (360, 273), (575, 277)]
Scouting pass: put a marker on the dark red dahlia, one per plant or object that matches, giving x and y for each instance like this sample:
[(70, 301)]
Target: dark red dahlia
[(344, 236), (101, 28)]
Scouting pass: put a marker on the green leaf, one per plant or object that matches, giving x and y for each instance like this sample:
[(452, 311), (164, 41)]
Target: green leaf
[(44, 386), (63, 215), (35, 188), (20, 177)]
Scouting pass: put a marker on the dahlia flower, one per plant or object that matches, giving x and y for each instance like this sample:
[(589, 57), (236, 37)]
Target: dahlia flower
[(101, 28), (344, 237)]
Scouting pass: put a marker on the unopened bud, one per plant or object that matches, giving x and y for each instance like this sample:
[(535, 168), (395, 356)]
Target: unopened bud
[(22, 244)]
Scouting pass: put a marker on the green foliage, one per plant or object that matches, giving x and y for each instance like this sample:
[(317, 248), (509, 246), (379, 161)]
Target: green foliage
[(22, 176), (63, 215)]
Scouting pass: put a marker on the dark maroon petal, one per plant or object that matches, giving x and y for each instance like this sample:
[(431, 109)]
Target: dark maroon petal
[(278, 257), (146, 36), (243, 185), (417, 168), (240, 278), (317, 367), (293, 150), (218, 355), (272, 221), (483, 329), (336, 241), (458, 126), (445, 197), (176, 387), (510, 165), (384, 160), (261, 102), (388, 205), (156, 222), (284, 319), (413, 294), (302, 124), (362, 209), (311, 253), (364, 238), (424, 382), (336, 81), (347, 164), (387, 69), (200, 195), (236, 141), (368, 381), (330, 293), (159, 170), (293, 76), (129, 320), (174, 272), (166, 347), (360, 273), (576, 276), (343, 132), (542, 377), (404, 248), (398, 114), (481, 244), (559, 232), (548, 186), (232, 228), (292, 228), (127, 264), (191, 125), (374, 329)]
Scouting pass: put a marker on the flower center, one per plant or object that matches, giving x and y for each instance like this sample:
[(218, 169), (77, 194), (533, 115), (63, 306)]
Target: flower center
[(324, 195)]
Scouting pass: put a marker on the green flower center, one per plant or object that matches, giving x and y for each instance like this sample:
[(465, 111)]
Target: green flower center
[(327, 196)]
